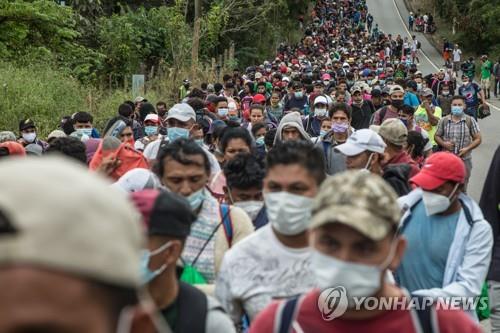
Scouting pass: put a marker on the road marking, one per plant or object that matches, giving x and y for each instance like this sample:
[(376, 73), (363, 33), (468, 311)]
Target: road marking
[(423, 53)]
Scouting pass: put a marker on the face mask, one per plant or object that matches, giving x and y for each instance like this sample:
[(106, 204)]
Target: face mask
[(222, 112), (382, 82), (148, 275), (445, 93), (298, 94), (419, 86), (260, 141), (404, 121), (436, 203), (200, 142), (29, 137), (288, 213), (84, 131), (397, 103), (320, 112), (457, 110), (340, 127), (234, 118), (368, 163), (360, 280), (252, 208), (175, 133), (322, 132), (196, 199), (150, 130)]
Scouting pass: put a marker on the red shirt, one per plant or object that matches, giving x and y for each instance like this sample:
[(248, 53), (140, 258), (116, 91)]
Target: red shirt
[(397, 321)]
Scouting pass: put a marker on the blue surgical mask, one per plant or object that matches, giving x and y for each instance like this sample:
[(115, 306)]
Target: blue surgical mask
[(234, 118), (147, 275), (151, 130), (85, 131), (322, 132), (260, 141), (200, 142), (382, 82), (222, 112), (299, 94), (175, 133), (196, 199), (457, 110)]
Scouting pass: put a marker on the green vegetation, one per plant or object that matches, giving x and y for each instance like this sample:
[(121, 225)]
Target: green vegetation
[(57, 60)]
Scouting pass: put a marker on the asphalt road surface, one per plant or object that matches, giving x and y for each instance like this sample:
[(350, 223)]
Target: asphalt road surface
[(391, 16)]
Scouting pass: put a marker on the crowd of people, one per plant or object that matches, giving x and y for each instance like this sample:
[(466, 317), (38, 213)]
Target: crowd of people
[(338, 163)]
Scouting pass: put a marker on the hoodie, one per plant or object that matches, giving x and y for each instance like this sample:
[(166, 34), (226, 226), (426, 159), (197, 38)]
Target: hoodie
[(292, 119)]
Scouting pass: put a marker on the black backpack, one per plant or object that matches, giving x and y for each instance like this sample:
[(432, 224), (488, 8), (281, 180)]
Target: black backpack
[(192, 310)]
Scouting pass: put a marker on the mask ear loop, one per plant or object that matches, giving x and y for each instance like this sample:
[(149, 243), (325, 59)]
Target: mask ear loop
[(453, 192)]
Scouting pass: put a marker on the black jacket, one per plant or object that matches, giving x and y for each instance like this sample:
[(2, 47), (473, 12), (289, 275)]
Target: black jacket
[(490, 205), (397, 175)]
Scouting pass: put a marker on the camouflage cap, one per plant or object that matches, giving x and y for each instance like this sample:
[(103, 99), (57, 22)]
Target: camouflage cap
[(394, 131), (360, 200)]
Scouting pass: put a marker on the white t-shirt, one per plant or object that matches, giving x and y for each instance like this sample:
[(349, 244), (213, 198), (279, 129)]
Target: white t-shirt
[(151, 152), (457, 55), (260, 269)]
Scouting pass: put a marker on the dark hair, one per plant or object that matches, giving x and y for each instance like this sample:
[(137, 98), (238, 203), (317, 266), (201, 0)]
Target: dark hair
[(269, 137), (245, 171), (161, 103), (145, 109), (257, 127), (250, 86), (256, 106), (125, 110), (196, 92), (220, 99), (261, 84), (70, 147), (179, 151), (114, 298), (458, 97), (226, 77), (408, 110), (217, 87), (112, 121), (340, 107), (416, 140), (299, 152), (67, 125), (232, 133), (82, 117), (196, 103)]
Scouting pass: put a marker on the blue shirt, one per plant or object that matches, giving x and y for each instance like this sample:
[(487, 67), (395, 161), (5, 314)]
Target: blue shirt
[(429, 239), (411, 99)]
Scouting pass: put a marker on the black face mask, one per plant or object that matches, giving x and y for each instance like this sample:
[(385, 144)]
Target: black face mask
[(397, 103)]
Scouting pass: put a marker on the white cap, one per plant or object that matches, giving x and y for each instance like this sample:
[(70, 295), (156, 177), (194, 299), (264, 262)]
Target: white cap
[(320, 100), (152, 117), (139, 99), (137, 180), (87, 229), (360, 141), (396, 88), (181, 112), (258, 75), (285, 78), (346, 65)]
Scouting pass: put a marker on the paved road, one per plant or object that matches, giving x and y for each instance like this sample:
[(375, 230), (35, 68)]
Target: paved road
[(387, 15)]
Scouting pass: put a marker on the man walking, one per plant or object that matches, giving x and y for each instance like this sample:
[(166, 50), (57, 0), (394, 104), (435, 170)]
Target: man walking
[(486, 69)]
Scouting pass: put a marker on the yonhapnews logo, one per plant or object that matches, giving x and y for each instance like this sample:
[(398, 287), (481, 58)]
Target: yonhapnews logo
[(332, 303)]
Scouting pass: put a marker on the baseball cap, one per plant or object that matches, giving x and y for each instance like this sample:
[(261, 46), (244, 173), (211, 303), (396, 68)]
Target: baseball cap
[(139, 99), (320, 100), (152, 117), (376, 93), (360, 141), (427, 92), (181, 112), (356, 89), (25, 124), (326, 77), (137, 180), (418, 73), (13, 148), (259, 98), (86, 229), (386, 90), (56, 134), (258, 75), (439, 168), (33, 149), (396, 88), (164, 213), (394, 131), (360, 200)]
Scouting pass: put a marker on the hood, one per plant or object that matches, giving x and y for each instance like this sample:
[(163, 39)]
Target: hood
[(292, 119)]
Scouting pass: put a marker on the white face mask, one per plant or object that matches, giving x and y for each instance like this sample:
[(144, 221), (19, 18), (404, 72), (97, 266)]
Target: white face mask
[(320, 112), (29, 137), (288, 213), (360, 280), (251, 207), (436, 203)]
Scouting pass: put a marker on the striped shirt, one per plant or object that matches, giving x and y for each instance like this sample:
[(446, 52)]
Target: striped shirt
[(459, 132)]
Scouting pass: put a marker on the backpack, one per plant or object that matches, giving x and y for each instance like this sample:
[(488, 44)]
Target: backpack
[(192, 303), (419, 45), (287, 313)]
